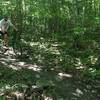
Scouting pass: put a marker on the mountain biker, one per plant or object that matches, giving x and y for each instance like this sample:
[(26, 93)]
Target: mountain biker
[(4, 25)]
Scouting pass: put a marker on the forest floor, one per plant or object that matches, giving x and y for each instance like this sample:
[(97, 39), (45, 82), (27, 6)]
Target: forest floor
[(66, 85)]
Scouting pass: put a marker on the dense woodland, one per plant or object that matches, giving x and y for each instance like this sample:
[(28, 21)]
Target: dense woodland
[(57, 45)]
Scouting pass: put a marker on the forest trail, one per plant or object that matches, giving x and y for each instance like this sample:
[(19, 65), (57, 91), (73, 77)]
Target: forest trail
[(67, 85), (9, 59)]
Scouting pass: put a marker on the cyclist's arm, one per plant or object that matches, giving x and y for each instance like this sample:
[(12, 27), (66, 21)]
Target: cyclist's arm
[(12, 25), (1, 26)]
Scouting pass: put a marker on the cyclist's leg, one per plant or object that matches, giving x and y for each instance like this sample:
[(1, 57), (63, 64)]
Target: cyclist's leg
[(5, 39), (42, 98), (1, 37), (0, 32), (5, 42), (2, 47)]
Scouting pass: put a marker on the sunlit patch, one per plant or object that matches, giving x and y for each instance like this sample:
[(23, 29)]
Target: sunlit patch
[(78, 92), (14, 67), (34, 43), (18, 94), (35, 67), (11, 59), (61, 75), (92, 70), (6, 3), (53, 49), (78, 64), (24, 41), (4, 63), (10, 51), (80, 67), (42, 46), (47, 98), (93, 59), (3, 59), (7, 87), (21, 63)]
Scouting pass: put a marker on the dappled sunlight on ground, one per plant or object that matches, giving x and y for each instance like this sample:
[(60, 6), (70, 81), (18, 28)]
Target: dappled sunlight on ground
[(44, 46), (17, 65), (10, 51), (61, 75), (78, 92), (67, 86), (35, 67), (14, 67), (8, 59), (48, 98)]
